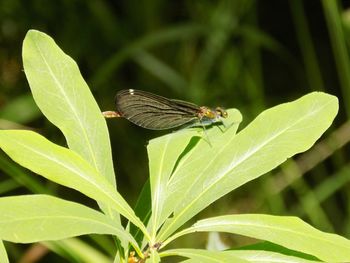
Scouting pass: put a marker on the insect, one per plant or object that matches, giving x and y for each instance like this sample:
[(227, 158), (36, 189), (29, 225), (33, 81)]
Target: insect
[(155, 112)]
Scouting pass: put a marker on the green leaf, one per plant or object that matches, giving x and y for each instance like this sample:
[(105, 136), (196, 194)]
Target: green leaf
[(275, 135), (169, 153), (153, 258), (290, 232), (22, 177), (258, 256), (33, 218), (272, 247), (3, 254), (76, 250), (117, 258), (203, 256), (65, 99), (143, 210), (164, 153), (21, 110), (63, 166)]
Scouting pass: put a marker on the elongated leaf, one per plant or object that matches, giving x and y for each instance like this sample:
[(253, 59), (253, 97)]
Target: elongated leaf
[(266, 257), (76, 250), (203, 256), (165, 153), (290, 232), (143, 209), (65, 99), (32, 218), (275, 135), (3, 254), (272, 247), (22, 177), (63, 166), (164, 161), (258, 256), (20, 110)]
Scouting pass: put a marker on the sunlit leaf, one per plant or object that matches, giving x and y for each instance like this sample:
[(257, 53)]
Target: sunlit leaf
[(163, 156), (143, 209), (258, 256), (63, 166), (65, 99), (203, 256), (153, 258), (273, 247), (290, 232), (178, 149), (275, 135), (32, 218)]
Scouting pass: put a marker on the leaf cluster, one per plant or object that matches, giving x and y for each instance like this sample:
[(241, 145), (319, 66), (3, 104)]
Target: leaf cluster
[(187, 174)]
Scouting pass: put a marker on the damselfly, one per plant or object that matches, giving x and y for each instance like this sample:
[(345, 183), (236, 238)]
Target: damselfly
[(155, 112)]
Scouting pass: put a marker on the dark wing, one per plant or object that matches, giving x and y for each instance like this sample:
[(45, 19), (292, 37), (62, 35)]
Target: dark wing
[(154, 112)]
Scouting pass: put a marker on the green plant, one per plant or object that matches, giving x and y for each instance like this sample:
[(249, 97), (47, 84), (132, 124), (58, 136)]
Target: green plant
[(186, 174)]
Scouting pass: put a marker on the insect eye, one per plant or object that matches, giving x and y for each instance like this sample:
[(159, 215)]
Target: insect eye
[(221, 112)]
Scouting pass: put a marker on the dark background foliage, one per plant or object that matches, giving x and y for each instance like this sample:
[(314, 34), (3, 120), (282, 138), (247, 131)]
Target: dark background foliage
[(245, 54)]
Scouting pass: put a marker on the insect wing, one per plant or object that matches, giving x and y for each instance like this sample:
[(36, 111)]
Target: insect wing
[(154, 112)]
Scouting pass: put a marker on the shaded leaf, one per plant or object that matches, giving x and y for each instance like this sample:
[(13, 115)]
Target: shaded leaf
[(21, 110), (76, 250), (3, 254)]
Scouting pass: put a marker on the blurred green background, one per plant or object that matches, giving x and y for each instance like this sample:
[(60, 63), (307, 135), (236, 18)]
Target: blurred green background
[(242, 54)]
